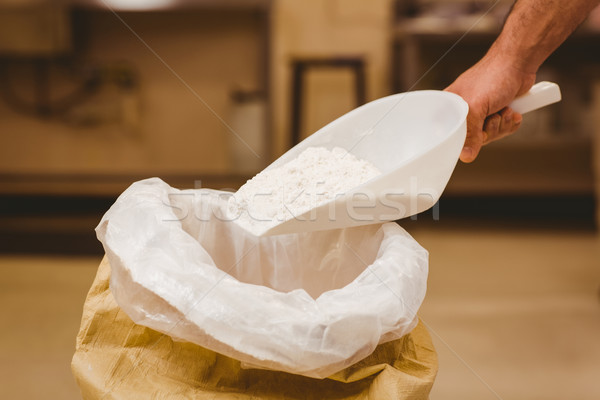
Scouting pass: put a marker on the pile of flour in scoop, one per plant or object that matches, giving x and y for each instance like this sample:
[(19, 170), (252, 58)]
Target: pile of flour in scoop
[(315, 177)]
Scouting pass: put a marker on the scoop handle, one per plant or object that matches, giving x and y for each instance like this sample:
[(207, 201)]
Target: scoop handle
[(540, 95)]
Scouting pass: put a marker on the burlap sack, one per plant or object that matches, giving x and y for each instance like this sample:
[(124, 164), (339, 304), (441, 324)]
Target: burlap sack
[(117, 359)]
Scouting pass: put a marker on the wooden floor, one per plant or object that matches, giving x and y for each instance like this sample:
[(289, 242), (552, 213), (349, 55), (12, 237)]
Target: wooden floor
[(514, 314)]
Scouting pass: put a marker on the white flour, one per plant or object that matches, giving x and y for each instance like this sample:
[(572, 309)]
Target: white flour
[(315, 177)]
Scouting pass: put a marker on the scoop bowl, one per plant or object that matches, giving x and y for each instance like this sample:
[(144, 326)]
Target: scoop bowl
[(413, 138)]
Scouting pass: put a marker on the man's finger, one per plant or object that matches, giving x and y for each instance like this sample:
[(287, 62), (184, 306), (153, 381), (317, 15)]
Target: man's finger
[(491, 128), (473, 142), (501, 124), (468, 155)]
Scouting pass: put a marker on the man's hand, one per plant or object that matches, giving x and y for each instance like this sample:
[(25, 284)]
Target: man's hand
[(532, 31), (489, 87)]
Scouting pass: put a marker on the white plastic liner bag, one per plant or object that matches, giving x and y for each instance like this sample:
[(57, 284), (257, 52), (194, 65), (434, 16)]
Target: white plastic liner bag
[(309, 304)]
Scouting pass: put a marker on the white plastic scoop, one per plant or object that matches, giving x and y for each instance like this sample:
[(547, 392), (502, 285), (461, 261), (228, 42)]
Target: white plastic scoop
[(413, 138)]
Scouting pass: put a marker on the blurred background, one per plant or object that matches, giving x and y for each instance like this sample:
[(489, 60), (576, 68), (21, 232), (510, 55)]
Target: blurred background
[(96, 94)]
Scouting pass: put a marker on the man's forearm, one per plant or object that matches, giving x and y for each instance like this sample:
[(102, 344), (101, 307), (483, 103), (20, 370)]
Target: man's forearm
[(535, 28)]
